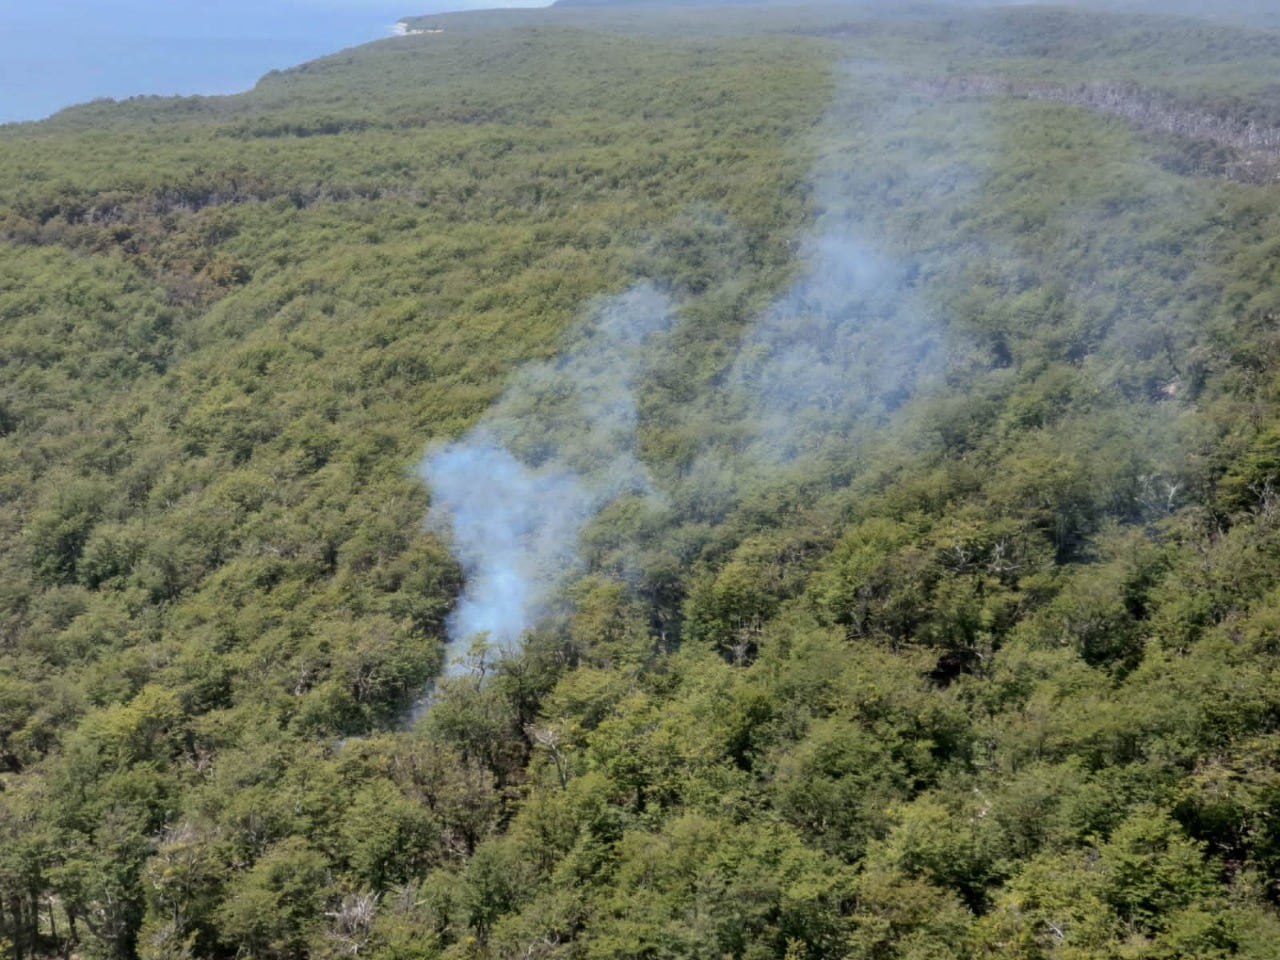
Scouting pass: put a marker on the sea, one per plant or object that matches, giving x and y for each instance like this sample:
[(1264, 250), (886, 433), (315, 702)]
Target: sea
[(55, 53)]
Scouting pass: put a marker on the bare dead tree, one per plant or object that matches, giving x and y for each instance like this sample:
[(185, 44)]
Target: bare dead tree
[(351, 923), (1257, 145)]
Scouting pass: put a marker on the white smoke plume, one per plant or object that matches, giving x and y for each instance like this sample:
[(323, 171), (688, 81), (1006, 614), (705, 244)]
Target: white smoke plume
[(846, 344), (516, 491)]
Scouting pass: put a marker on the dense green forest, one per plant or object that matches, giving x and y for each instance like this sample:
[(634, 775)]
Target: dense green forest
[(869, 417)]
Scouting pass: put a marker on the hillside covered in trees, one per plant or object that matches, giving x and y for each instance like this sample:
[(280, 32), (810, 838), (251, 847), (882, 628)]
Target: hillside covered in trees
[(633, 481)]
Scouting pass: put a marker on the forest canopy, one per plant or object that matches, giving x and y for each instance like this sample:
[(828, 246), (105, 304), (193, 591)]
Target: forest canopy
[(641, 481)]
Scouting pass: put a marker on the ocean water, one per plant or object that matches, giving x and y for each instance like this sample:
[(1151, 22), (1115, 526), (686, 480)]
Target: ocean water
[(54, 53)]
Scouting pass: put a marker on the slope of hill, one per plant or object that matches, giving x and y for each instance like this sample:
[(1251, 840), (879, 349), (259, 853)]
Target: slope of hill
[(844, 483)]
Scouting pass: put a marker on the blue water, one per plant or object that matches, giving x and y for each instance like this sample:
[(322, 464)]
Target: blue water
[(54, 53)]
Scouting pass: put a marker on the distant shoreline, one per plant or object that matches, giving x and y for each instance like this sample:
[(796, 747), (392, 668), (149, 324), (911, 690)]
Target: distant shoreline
[(46, 66), (402, 29)]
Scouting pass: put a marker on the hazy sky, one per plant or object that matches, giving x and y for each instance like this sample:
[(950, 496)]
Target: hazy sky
[(54, 53)]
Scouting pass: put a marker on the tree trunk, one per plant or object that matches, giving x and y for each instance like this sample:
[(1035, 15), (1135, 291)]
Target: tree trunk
[(34, 921), (16, 926), (5, 926)]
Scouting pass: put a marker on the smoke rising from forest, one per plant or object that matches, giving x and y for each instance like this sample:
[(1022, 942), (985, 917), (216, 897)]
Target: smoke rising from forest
[(843, 346), (513, 527), (516, 491)]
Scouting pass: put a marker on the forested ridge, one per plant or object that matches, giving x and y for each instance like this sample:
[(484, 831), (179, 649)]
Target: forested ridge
[(899, 556)]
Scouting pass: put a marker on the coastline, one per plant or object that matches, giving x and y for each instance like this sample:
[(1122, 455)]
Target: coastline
[(401, 28), (47, 66)]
